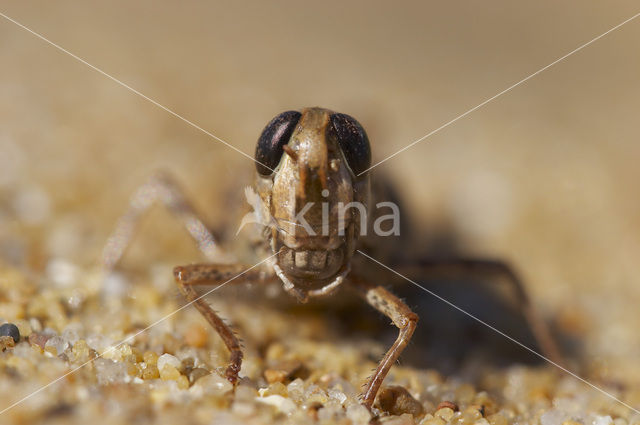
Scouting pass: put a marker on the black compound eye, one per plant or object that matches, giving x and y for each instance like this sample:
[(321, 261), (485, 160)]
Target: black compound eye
[(353, 141), (274, 136)]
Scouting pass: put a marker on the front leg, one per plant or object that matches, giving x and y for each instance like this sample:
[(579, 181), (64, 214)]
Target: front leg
[(401, 316), (211, 274)]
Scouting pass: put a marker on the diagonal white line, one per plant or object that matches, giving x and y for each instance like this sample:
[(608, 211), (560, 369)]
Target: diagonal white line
[(131, 337), (501, 93), (501, 333), (175, 114)]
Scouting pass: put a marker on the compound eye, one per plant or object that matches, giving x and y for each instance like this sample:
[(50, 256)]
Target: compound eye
[(274, 136), (353, 141)]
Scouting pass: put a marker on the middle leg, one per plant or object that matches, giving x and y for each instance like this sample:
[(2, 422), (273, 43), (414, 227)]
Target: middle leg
[(163, 189)]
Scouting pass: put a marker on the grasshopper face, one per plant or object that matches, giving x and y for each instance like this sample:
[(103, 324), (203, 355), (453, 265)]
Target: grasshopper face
[(314, 193)]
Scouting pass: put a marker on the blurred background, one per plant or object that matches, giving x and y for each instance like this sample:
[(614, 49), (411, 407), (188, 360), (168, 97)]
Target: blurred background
[(544, 176)]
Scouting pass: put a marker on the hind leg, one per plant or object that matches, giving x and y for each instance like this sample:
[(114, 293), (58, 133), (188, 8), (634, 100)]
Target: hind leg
[(492, 270)]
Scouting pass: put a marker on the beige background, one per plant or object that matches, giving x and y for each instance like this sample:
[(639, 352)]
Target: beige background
[(544, 176)]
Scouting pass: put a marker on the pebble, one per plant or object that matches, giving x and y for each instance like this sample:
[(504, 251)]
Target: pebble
[(245, 393), (110, 372), (150, 358), (296, 389), (168, 360), (71, 334), (197, 373), (431, 420), (6, 342), (497, 419), (213, 384), (553, 417), (404, 419), (444, 413), (80, 350), (285, 405), (448, 404), (169, 373), (328, 412), (602, 420), (99, 342), (358, 414), (150, 372), (56, 345), (277, 388), (38, 339), (183, 382), (396, 400), (472, 414), (9, 329), (337, 395)]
